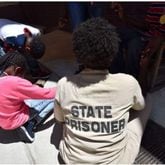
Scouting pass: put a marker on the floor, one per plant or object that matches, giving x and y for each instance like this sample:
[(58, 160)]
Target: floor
[(158, 108), (153, 145)]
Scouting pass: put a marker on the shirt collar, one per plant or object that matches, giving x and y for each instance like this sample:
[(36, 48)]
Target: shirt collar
[(92, 71)]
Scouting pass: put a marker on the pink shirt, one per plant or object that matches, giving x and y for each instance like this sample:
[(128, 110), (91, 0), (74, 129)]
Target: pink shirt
[(13, 91)]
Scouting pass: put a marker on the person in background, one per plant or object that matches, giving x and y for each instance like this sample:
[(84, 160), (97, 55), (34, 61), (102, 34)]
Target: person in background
[(15, 89), (92, 105), (27, 40), (81, 11), (15, 35), (139, 38), (33, 52)]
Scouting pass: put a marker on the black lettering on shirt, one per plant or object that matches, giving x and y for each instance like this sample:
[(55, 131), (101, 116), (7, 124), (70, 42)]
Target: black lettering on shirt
[(90, 112), (74, 111), (95, 126), (114, 126), (107, 112), (85, 126), (99, 110), (105, 127), (73, 124), (82, 108), (109, 127), (121, 124)]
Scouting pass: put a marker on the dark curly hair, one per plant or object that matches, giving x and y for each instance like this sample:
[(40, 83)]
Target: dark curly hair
[(95, 43), (37, 48)]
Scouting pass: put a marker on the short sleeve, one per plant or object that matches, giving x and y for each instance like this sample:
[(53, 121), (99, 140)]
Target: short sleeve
[(58, 111)]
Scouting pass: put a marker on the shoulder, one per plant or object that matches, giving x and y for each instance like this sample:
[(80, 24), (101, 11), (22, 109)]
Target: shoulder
[(125, 81), (68, 81), (62, 81), (11, 78), (18, 80), (13, 82), (124, 77)]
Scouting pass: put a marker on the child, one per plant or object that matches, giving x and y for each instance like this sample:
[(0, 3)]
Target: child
[(14, 113), (94, 105)]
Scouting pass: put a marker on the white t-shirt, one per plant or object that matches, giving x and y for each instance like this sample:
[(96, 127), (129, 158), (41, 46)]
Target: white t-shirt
[(9, 28), (95, 107)]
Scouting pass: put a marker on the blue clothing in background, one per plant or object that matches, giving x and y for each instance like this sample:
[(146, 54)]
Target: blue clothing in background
[(81, 11)]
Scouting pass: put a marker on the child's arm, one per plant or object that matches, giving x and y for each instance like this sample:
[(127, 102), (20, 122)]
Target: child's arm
[(26, 90)]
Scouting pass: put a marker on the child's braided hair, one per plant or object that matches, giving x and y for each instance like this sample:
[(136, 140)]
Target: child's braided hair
[(13, 58)]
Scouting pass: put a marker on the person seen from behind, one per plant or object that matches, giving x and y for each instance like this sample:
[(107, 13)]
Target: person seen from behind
[(141, 39), (94, 105), (15, 89)]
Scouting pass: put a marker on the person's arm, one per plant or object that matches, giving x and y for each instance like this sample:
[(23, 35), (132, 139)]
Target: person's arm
[(138, 100), (26, 90), (152, 45), (118, 8), (58, 111)]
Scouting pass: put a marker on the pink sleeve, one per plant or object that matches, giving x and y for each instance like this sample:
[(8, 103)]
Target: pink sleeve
[(26, 90)]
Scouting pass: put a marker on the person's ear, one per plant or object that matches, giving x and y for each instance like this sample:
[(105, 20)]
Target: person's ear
[(19, 71)]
